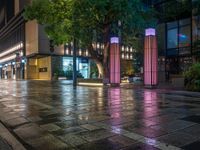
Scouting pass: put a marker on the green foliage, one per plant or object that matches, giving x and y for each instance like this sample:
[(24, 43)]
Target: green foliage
[(192, 77), (55, 15), (65, 19), (69, 74), (88, 21), (94, 70)]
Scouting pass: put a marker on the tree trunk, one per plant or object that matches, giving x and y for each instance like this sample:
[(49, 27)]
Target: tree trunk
[(106, 78), (100, 68)]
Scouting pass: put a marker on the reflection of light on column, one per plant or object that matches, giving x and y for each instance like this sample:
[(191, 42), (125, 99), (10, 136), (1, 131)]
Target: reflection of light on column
[(150, 103), (114, 61), (114, 99), (150, 58)]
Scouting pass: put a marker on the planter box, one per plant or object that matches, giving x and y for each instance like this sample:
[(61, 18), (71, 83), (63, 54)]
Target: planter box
[(90, 80), (177, 81)]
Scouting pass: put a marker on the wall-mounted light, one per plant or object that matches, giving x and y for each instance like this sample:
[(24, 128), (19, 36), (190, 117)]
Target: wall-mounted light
[(23, 61)]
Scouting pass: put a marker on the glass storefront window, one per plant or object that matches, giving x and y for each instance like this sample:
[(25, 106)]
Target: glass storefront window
[(184, 36), (172, 40), (161, 36), (82, 66), (196, 32), (172, 25), (184, 22), (179, 35)]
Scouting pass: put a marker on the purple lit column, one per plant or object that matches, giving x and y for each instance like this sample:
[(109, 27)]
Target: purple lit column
[(150, 58), (114, 61)]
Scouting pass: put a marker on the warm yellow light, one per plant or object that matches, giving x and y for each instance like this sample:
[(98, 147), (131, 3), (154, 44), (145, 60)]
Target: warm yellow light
[(90, 84)]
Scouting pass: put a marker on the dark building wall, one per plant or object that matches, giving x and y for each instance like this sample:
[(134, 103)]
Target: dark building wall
[(2, 13), (10, 9), (23, 3), (7, 11), (12, 38)]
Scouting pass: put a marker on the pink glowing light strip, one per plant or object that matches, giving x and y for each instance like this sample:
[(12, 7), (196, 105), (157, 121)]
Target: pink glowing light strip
[(150, 31), (114, 63), (114, 40), (150, 61)]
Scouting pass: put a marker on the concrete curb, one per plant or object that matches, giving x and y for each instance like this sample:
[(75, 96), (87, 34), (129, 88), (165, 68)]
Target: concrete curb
[(10, 139)]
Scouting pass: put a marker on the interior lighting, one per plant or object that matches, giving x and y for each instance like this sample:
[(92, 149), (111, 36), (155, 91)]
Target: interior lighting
[(12, 49), (8, 58)]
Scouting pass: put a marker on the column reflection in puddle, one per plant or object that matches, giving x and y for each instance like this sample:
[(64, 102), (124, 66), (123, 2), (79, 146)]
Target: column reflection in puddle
[(150, 110), (115, 108)]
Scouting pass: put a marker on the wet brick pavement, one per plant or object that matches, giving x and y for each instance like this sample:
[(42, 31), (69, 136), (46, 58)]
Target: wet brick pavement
[(4, 145), (46, 115)]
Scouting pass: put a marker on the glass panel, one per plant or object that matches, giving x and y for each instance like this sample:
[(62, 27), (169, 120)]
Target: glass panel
[(172, 39), (185, 63), (184, 36), (196, 32), (185, 50), (172, 52), (161, 36), (184, 22), (171, 25)]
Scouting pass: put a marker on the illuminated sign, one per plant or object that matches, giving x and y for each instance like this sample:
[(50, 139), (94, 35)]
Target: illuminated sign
[(43, 69)]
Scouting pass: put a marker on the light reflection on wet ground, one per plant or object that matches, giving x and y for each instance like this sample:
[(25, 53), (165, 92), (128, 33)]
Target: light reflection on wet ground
[(52, 115)]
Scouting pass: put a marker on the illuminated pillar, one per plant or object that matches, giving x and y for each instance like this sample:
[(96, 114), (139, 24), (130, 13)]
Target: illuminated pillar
[(150, 58), (114, 61)]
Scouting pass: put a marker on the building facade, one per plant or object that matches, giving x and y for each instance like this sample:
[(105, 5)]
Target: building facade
[(25, 48), (178, 35)]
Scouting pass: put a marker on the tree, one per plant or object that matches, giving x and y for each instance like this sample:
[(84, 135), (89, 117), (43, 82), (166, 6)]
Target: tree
[(89, 21)]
